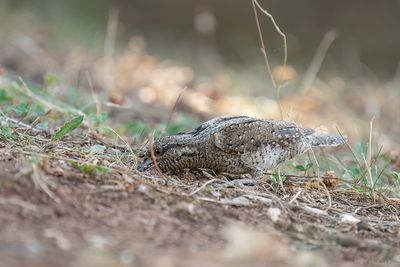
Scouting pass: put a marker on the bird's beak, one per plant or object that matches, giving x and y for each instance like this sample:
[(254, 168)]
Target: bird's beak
[(145, 165)]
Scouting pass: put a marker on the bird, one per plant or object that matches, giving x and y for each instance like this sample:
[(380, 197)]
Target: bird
[(234, 145)]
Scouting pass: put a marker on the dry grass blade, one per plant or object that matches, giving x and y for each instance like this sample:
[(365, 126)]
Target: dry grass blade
[(327, 193), (262, 199), (204, 186), (20, 123), (295, 196), (280, 180), (369, 155), (153, 156), (94, 95), (171, 113), (42, 183), (134, 158), (264, 51), (313, 210), (277, 29)]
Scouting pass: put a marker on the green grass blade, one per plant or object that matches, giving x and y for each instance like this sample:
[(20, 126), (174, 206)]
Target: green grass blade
[(67, 128)]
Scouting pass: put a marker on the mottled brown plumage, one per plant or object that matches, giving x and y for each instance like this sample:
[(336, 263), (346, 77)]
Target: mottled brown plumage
[(235, 145)]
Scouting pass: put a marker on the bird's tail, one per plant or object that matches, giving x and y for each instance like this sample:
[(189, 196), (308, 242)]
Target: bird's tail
[(318, 139)]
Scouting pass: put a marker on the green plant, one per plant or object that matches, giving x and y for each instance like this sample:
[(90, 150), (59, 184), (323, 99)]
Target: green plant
[(68, 127)]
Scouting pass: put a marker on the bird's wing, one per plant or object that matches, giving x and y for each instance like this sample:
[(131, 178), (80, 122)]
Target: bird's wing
[(217, 122), (245, 137)]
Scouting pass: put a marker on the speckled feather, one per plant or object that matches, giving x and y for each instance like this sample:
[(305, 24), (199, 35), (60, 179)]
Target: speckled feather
[(235, 145)]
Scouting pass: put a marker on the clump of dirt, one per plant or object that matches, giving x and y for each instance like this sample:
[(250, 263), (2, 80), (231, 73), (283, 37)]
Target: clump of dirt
[(57, 212)]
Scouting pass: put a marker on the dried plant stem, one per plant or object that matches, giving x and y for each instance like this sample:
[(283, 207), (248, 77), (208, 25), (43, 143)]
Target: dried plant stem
[(126, 144), (94, 95), (277, 29), (204, 186), (280, 180), (350, 148), (368, 160), (263, 49), (317, 60), (295, 196), (327, 193), (174, 108), (153, 156), (42, 183), (20, 123), (276, 86)]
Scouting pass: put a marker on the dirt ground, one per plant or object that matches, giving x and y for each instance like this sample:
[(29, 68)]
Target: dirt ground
[(53, 215)]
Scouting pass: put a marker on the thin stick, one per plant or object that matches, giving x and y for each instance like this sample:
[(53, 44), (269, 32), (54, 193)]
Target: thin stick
[(277, 29), (204, 186), (42, 184), (94, 95), (174, 108), (264, 51), (351, 150), (329, 195), (20, 123), (368, 160), (373, 161), (153, 157), (280, 180), (312, 151), (369, 155), (295, 196)]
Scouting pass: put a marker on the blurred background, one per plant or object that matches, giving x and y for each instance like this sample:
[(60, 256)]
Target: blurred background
[(145, 52), (368, 32)]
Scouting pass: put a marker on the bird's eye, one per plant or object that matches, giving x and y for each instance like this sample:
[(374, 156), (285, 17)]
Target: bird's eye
[(157, 150)]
